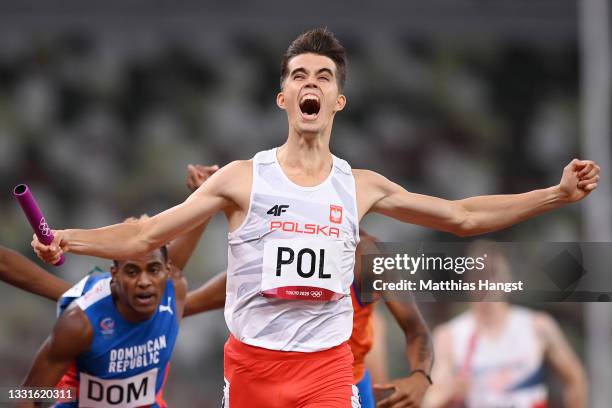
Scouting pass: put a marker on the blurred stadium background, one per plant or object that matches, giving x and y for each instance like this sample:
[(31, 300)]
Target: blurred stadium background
[(102, 106)]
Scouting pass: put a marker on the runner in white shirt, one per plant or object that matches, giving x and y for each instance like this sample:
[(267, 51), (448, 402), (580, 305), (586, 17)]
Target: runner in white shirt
[(495, 355), (305, 250)]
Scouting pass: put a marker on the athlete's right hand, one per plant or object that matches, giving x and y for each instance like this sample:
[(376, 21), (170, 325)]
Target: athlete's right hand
[(51, 253), (198, 174)]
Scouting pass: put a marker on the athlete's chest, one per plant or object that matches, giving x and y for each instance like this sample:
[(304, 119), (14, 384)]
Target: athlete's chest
[(511, 355), (304, 215), (120, 348)]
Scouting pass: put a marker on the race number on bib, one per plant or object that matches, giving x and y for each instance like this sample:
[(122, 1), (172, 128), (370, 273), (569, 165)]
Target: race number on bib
[(130, 392), (302, 269)]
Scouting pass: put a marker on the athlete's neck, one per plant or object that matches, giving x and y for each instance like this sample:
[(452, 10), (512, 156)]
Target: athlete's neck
[(305, 160), (491, 316)]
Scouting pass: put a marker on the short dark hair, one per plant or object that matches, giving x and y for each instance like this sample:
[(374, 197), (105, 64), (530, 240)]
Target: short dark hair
[(163, 249), (317, 41)]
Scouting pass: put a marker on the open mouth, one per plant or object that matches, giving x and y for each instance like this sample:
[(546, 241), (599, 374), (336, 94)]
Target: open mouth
[(310, 106), (145, 299)]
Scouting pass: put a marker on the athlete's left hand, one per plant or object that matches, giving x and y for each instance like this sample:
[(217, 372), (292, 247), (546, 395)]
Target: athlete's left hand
[(579, 178), (407, 392)]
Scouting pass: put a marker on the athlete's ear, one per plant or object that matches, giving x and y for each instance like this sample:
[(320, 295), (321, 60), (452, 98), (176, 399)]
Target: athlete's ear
[(340, 103), (114, 271), (280, 100)]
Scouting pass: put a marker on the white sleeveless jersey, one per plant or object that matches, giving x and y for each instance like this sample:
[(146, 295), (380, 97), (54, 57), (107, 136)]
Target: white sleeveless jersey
[(295, 243), (504, 372)]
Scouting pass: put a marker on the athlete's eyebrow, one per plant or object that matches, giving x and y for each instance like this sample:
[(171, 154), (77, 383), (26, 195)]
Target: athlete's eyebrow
[(305, 71), (326, 70), (130, 264)]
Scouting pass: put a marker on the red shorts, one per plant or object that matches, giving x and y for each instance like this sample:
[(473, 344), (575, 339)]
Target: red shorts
[(256, 377)]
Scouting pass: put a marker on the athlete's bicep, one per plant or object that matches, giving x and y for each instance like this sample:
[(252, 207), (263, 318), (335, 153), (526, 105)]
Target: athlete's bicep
[(388, 198), (71, 336)]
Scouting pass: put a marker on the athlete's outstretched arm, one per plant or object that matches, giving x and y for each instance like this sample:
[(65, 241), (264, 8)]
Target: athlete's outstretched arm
[(475, 215), (419, 351), (126, 240), (563, 361), (19, 271), (209, 296), (71, 336)]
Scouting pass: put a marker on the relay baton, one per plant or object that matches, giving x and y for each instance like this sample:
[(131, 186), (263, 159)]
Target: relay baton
[(35, 216)]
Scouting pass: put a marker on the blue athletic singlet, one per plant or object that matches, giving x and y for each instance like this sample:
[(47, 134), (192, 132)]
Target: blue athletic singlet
[(80, 288), (127, 363)]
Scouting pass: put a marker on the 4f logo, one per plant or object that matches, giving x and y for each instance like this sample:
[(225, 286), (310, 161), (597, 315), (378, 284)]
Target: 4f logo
[(335, 214), (277, 210)]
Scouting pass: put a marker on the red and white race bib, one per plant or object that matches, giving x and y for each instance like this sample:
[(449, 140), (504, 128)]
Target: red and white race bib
[(302, 270)]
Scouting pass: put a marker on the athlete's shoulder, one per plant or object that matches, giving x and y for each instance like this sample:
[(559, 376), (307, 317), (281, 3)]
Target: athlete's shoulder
[(239, 165), (544, 324), (237, 168), (367, 178), (365, 174), (342, 165), (72, 332), (265, 157), (100, 290), (80, 288), (229, 179)]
